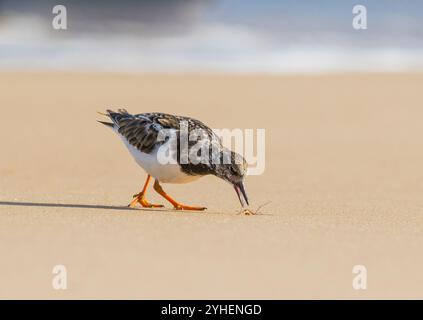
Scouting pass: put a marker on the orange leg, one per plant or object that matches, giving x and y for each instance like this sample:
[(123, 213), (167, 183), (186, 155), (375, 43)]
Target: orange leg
[(176, 204), (140, 197)]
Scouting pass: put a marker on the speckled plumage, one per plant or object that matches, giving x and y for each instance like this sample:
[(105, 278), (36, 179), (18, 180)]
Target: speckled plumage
[(141, 132)]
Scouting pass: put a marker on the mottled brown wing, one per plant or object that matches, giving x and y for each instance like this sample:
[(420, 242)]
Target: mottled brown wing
[(140, 130), (167, 121)]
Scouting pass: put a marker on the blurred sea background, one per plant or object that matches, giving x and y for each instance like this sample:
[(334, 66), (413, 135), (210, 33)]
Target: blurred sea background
[(212, 36)]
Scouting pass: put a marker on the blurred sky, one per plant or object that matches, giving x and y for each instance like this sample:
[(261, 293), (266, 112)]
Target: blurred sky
[(284, 36)]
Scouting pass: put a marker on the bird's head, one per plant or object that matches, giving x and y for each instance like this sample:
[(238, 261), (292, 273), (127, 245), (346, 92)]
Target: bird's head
[(234, 172)]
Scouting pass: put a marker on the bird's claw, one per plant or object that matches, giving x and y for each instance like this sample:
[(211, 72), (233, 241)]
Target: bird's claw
[(185, 207), (139, 198)]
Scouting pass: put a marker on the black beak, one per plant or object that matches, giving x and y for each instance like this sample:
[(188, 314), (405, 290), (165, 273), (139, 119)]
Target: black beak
[(240, 191)]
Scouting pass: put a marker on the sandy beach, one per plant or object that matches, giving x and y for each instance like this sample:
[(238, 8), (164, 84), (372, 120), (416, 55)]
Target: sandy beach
[(343, 176)]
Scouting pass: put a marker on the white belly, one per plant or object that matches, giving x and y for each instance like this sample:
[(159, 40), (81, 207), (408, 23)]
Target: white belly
[(167, 173)]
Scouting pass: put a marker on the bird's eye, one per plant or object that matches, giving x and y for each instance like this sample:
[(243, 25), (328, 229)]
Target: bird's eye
[(233, 170)]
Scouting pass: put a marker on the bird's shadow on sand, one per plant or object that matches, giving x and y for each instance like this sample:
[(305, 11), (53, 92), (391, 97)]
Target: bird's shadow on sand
[(71, 205), (88, 206), (94, 206)]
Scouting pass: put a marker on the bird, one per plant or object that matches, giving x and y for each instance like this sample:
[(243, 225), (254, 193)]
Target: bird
[(143, 135)]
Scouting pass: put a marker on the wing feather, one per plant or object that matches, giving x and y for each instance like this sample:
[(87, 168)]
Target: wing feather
[(142, 130)]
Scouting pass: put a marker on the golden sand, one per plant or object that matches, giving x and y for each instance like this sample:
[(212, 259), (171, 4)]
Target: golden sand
[(344, 178)]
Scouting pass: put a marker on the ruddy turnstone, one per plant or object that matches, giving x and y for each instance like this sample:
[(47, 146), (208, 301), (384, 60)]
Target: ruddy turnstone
[(143, 136)]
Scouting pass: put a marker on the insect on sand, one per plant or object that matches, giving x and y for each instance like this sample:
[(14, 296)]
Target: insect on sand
[(248, 212)]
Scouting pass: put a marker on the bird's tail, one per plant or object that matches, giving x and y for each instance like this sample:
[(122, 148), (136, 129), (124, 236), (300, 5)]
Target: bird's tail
[(107, 124), (114, 116)]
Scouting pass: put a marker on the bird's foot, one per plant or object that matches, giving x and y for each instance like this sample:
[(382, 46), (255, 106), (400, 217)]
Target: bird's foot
[(179, 206), (176, 204), (139, 198)]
